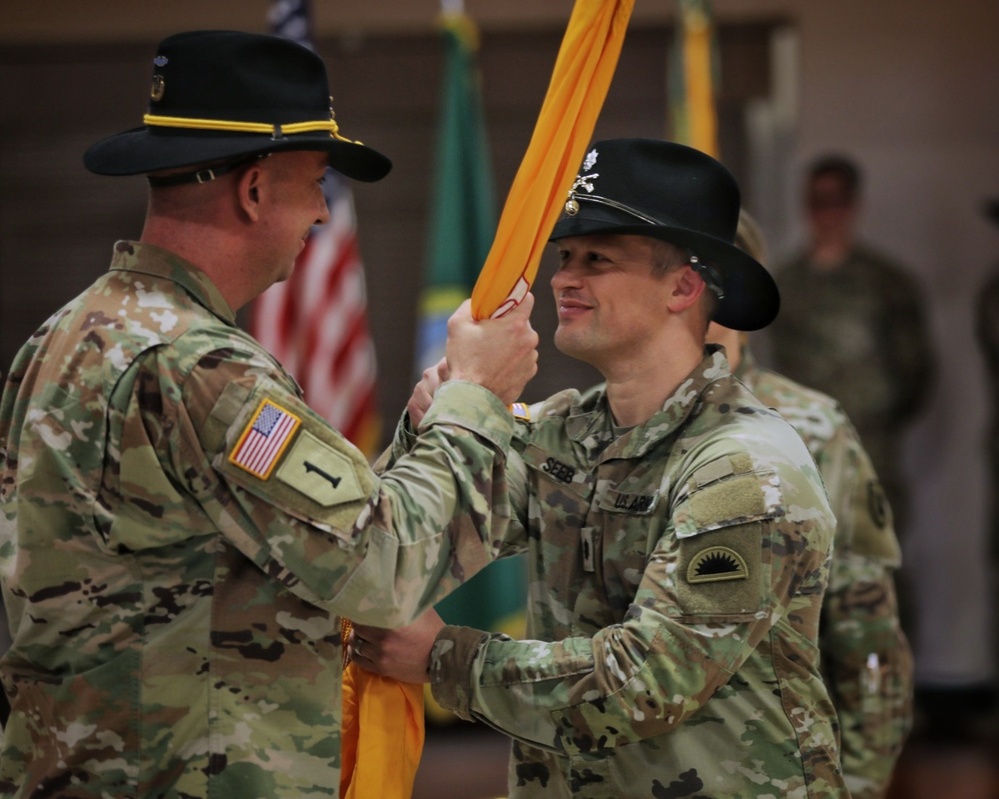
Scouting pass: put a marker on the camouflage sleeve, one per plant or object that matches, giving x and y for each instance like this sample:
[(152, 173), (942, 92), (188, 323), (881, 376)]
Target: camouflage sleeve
[(509, 520), (682, 638), (866, 658), (403, 439), (307, 509)]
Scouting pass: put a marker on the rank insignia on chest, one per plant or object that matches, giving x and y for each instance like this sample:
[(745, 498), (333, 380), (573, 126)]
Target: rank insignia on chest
[(265, 438), (715, 564)]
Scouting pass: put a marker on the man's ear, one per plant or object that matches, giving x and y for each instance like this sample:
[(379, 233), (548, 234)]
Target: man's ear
[(249, 189), (688, 286)]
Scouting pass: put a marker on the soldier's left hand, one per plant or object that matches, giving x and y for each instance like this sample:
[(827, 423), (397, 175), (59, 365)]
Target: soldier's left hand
[(402, 654)]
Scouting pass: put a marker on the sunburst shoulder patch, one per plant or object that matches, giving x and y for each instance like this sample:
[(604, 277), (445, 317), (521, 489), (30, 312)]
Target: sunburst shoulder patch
[(715, 564)]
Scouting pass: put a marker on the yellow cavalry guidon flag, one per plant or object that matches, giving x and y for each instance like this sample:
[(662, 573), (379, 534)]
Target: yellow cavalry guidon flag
[(382, 736), (579, 83)]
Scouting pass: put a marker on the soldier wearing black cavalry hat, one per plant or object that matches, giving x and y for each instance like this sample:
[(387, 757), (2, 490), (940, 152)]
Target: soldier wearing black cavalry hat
[(677, 531), (180, 531)]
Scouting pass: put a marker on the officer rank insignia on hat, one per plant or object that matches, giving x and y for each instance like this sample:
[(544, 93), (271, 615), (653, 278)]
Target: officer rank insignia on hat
[(583, 181), (264, 440), (715, 564)]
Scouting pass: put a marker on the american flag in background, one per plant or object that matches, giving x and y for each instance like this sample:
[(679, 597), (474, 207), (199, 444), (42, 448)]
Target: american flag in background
[(316, 323)]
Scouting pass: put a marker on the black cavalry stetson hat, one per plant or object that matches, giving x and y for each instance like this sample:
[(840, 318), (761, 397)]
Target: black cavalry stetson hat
[(668, 191), (219, 95)]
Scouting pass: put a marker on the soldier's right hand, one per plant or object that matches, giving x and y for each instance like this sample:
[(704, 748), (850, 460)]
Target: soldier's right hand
[(498, 354)]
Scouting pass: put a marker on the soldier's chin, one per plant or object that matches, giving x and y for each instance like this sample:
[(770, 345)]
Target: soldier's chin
[(571, 345)]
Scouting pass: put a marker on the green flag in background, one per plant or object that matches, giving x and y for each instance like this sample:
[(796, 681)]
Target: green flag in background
[(463, 223), (463, 214)]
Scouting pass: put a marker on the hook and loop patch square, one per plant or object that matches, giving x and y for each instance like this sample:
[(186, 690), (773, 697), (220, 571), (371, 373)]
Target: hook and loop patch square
[(722, 572), (316, 469)]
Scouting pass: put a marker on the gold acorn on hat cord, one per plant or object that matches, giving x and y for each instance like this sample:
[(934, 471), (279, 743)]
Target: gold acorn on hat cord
[(582, 182)]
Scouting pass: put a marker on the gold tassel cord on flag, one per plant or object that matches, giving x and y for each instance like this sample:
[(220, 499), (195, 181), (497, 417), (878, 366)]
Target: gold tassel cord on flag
[(580, 80)]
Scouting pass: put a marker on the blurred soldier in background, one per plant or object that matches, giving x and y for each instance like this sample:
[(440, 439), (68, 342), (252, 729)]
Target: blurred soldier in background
[(853, 326)]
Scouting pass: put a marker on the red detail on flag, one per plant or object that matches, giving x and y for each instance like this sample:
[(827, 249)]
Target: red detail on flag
[(316, 325)]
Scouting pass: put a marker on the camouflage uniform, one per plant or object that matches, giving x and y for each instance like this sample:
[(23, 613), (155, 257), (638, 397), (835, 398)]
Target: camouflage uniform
[(676, 577), (859, 334), (866, 659), (174, 603)]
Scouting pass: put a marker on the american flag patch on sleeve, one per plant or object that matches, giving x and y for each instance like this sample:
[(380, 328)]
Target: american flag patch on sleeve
[(264, 439), (521, 411)]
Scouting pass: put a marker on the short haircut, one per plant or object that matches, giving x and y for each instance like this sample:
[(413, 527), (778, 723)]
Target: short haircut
[(666, 257)]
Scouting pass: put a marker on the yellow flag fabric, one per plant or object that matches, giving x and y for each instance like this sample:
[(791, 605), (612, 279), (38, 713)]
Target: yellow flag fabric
[(579, 83), (693, 76), (383, 733), (697, 72), (382, 762)]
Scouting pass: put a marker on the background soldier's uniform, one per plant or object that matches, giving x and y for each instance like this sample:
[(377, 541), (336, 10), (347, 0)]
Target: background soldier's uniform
[(676, 576), (859, 334), (173, 600), (866, 658)]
